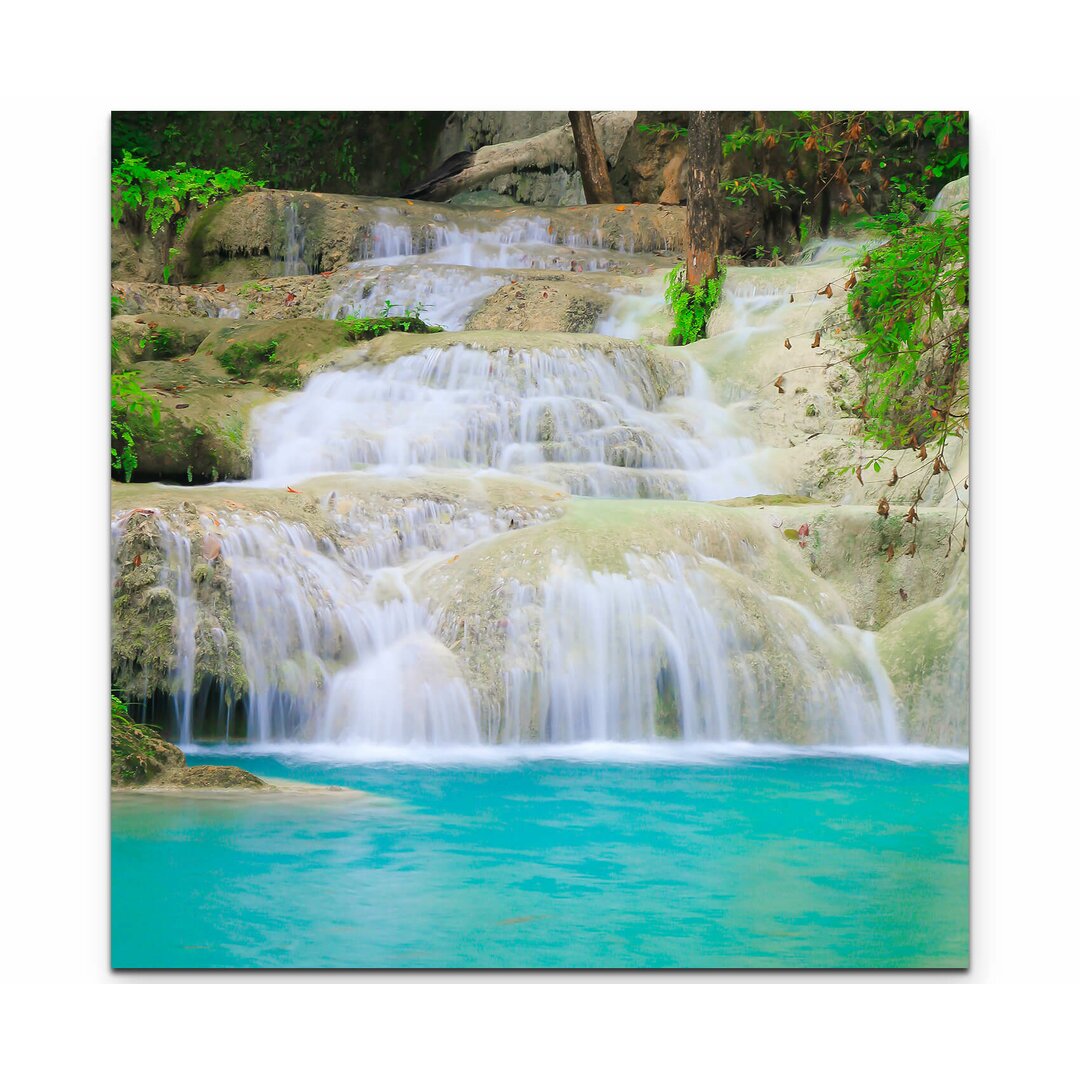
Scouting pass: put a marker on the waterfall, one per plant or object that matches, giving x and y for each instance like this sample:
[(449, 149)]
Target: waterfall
[(429, 583), (596, 422), (665, 648), (294, 242)]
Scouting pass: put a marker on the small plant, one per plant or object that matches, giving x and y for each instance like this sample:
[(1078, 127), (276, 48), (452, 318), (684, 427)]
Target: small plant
[(129, 399), (692, 306), (117, 304), (360, 329)]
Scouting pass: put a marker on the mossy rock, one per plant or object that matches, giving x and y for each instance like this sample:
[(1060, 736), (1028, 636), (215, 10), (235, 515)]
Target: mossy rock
[(215, 776), (139, 754), (275, 353), (205, 443), (140, 338)]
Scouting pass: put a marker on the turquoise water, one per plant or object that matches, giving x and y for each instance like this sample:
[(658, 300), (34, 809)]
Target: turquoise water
[(789, 861)]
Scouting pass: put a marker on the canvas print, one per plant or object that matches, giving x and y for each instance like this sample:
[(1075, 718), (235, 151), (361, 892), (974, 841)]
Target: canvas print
[(539, 539)]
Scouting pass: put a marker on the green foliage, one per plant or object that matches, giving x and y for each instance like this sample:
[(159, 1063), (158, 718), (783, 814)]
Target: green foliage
[(911, 308), (358, 329), (862, 155), (346, 152), (164, 197), (116, 304), (129, 399), (676, 131), (738, 188), (692, 306)]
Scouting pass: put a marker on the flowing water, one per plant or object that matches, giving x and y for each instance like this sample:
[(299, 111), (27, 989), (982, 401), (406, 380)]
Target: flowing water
[(343, 638)]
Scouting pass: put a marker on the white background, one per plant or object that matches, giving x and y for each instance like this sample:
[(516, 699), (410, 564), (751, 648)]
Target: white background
[(63, 73)]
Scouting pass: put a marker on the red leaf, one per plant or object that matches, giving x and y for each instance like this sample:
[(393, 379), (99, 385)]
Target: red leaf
[(221, 288), (293, 490)]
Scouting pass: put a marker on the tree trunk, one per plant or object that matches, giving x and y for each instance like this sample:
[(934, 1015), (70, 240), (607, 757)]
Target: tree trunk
[(704, 215), (590, 160)]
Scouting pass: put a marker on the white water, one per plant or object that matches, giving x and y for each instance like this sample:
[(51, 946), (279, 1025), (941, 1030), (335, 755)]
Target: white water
[(448, 271), (591, 420), (339, 647), (599, 656)]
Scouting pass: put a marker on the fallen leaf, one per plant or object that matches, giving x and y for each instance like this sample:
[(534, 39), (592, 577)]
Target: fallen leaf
[(791, 299), (858, 473), (211, 547), (890, 551), (787, 343), (137, 561), (292, 489), (883, 507), (851, 281), (912, 516), (290, 298), (903, 594), (895, 477), (866, 261), (619, 209), (184, 406), (221, 288), (817, 341), (779, 381)]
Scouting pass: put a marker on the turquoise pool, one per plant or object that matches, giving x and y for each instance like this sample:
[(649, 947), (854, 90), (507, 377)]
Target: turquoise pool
[(504, 862)]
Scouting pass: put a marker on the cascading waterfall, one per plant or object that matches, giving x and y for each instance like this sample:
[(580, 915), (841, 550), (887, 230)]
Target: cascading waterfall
[(593, 421), (664, 648), (336, 637)]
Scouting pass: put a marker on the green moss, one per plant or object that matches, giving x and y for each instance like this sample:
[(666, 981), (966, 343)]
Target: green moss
[(248, 357)]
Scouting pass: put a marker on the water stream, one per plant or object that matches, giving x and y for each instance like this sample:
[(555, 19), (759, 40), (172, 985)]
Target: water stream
[(550, 632)]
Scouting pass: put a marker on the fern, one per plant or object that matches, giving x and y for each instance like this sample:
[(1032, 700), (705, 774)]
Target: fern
[(692, 306)]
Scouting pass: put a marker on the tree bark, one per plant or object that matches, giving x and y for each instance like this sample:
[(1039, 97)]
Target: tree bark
[(590, 160), (704, 214)]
